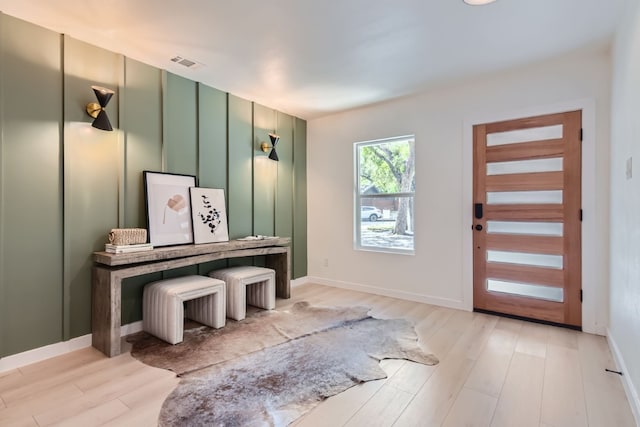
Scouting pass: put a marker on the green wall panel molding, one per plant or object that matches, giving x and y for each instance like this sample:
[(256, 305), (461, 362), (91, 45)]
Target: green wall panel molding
[(265, 172), (180, 132), (212, 137), (30, 187), (299, 199), (91, 165), (284, 180), (91, 181), (180, 135), (212, 149), (141, 112), (141, 122), (132, 288), (240, 170)]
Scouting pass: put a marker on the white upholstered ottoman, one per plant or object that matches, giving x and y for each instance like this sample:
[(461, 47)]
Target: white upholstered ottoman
[(247, 285), (163, 309)]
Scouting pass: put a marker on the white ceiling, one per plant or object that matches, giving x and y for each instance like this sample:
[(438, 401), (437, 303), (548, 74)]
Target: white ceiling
[(310, 58)]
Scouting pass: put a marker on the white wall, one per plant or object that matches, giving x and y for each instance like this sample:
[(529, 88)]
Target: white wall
[(441, 118), (624, 330)]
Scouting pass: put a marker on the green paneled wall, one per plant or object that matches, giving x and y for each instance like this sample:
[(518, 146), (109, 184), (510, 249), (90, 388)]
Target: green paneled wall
[(65, 184), (212, 148), (265, 172), (239, 168), (30, 187), (141, 111), (212, 137), (284, 179), (180, 135), (299, 249), (91, 165), (180, 121), (141, 108)]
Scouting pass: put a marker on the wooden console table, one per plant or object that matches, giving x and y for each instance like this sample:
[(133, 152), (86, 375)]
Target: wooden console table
[(110, 269)]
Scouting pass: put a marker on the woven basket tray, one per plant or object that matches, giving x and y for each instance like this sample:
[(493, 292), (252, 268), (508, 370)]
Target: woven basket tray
[(127, 236)]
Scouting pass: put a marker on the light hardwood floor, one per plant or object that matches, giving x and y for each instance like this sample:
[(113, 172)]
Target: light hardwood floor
[(493, 372)]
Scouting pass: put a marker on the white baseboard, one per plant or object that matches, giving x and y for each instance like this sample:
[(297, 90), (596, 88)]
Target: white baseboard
[(131, 328), (58, 349), (629, 388), (393, 293), (39, 354), (42, 353), (299, 281)]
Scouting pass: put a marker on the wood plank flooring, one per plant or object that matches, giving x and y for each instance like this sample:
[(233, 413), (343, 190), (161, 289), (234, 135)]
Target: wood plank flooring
[(493, 372)]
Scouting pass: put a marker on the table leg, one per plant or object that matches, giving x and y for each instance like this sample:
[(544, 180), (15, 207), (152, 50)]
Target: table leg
[(281, 264), (105, 309)]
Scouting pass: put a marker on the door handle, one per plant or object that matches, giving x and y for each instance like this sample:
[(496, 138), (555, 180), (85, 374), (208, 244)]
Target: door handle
[(479, 227), (477, 208)]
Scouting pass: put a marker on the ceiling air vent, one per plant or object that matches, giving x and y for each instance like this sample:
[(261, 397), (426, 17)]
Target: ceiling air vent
[(186, 62)]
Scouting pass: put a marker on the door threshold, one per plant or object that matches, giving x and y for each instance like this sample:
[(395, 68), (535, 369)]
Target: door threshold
[(528, 319)]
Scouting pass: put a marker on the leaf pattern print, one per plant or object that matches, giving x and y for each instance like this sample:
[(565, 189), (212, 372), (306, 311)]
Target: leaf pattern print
[(211, 216)]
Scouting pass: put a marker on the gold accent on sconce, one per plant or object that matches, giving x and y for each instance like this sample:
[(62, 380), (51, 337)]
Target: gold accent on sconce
[(264, 146), (93, 109)]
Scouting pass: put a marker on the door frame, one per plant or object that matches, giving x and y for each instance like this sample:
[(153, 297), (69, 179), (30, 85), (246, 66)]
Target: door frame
[(595, 304)]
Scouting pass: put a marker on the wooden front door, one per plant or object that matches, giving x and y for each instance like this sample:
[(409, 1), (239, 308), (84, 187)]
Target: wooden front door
[(527, 218)]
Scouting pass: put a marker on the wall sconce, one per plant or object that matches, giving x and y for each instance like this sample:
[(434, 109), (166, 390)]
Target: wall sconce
[(265, 147), (96, 110)]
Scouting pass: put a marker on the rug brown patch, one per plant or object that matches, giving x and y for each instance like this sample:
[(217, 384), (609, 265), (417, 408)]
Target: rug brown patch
[(204, 346), (274, 366)]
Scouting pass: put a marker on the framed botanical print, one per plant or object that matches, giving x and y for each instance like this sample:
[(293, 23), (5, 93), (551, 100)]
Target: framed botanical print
[(209, 215)]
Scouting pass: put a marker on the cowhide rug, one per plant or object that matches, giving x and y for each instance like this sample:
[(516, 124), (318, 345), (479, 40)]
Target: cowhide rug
[(274, 366)]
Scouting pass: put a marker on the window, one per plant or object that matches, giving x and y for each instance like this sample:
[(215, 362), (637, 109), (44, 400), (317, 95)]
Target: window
[(385, 186)]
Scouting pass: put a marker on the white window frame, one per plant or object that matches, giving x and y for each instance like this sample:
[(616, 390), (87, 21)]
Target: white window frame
[(358, 197)]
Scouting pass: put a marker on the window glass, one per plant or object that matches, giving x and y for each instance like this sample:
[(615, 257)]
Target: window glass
[(384, 202)]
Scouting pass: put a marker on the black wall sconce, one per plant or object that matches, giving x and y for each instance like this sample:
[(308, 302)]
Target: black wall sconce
[(96, 110), (265, 147)]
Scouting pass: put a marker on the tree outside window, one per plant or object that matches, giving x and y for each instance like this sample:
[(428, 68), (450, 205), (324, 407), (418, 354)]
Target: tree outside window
[(385, 187)]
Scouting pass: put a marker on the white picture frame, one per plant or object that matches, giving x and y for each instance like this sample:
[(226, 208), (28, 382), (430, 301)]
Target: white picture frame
[(168, 208), (208, 215)]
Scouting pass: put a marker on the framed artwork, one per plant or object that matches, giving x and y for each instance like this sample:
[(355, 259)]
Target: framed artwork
[(209, 215), (168, 208)]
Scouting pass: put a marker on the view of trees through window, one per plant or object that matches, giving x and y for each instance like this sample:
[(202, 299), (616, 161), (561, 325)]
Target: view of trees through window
[(385, 174)]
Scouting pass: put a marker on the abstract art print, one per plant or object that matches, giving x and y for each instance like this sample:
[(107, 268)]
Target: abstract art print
[(168, 208), (209, 215)]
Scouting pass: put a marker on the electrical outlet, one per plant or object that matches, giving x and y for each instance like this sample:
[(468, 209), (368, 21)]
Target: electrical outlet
[(629, 167), (325, 262)]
